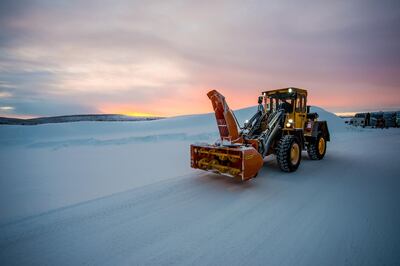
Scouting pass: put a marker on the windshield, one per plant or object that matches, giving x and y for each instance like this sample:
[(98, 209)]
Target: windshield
[(274, 103)]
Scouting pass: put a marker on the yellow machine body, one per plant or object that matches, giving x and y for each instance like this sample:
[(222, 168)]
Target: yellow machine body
[(282, 126)]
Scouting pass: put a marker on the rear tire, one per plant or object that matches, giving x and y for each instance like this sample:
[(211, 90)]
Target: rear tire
[(316, 150), (288, 153)]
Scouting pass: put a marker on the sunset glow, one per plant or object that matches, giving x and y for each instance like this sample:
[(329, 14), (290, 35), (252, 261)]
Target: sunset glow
[(161, 59), (125, 110)]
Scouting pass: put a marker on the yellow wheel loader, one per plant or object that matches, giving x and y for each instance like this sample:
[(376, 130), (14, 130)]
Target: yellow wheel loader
[(282, 125)]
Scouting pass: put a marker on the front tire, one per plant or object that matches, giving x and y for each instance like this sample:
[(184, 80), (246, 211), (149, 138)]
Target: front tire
[(289, 153), (316, 150)]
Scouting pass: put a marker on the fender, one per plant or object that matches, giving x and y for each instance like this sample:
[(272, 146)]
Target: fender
[(321, 127)]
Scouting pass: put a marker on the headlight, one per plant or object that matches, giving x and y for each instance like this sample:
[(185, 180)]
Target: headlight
[(290, 120), (290, 90), (288, 124)]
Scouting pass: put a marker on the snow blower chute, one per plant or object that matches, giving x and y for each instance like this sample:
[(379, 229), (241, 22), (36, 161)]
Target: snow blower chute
[(282, 125)]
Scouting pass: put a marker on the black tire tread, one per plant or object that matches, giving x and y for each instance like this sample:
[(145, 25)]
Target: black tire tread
[(282, 157), (312, 150)]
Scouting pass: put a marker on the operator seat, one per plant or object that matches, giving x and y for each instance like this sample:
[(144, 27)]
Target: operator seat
[(286, 106)]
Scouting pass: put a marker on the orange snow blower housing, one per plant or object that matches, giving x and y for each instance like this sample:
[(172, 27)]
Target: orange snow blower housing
[(282, 125)]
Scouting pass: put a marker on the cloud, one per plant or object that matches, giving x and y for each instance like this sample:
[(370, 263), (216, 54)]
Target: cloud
[(56, 56), (44, 107), (5, 94), (6, 108)]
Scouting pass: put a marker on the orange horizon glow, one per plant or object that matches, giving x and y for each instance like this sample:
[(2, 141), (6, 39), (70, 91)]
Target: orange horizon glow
[(126, 110), (18, 116), (137, 114), (197, 102), (235, 103)]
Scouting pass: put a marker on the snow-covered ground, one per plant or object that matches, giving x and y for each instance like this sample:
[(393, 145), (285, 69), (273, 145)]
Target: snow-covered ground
[(123, 193)]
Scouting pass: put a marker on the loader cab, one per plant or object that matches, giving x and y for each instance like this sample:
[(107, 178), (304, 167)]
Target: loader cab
[(293, 101)]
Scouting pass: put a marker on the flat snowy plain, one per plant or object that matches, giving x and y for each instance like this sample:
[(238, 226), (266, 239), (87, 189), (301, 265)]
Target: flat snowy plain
[(112, 193)]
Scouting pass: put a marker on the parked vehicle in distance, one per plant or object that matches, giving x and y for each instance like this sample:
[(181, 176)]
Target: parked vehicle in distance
[(390, 119), (377, 120), (360, 120)]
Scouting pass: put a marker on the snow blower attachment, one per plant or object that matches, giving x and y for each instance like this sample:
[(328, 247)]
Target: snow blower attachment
[(230, 156), (282, 125), (240, 161)]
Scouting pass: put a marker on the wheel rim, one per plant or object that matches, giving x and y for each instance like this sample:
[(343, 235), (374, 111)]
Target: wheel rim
[(321, 145), (294, 153)]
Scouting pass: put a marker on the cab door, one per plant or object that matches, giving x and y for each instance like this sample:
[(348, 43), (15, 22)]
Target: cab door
[(300, 111)]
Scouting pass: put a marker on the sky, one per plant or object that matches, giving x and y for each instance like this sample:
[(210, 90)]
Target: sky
[(162, 57)]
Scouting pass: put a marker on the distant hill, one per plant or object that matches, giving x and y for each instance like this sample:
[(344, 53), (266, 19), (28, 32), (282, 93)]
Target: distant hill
[(72, 118)]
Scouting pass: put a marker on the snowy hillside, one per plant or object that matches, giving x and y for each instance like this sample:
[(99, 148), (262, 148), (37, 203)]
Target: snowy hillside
[(192, 127), (72, 118), (123, 193)]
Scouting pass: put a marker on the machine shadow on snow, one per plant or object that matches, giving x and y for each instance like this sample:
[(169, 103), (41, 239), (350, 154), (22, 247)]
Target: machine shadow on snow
[(216, 181), (270, 170)]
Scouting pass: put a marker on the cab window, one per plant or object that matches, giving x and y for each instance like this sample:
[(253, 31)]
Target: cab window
[(299, 104)]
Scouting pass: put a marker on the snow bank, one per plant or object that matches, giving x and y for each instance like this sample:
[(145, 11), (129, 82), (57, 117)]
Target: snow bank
[(335, 123)]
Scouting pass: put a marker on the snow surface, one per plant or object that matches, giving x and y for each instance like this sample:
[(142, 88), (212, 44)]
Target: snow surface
[(123, 193)]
